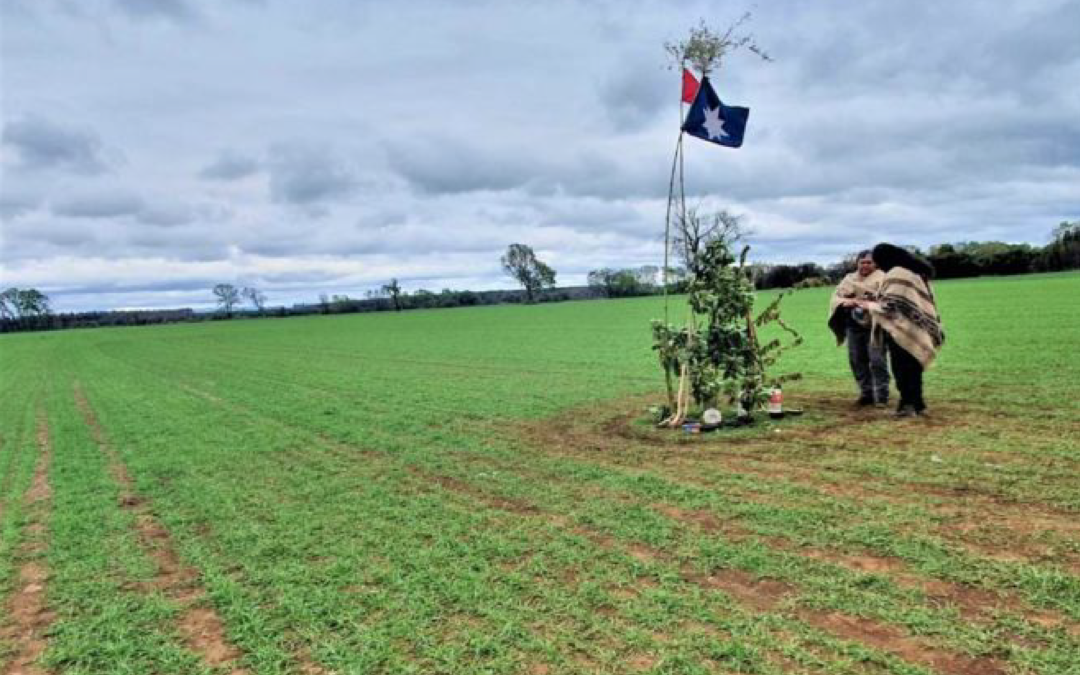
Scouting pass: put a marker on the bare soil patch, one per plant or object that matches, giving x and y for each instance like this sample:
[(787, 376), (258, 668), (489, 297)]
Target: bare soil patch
[(762, 595), (476, 493), (905, 647)]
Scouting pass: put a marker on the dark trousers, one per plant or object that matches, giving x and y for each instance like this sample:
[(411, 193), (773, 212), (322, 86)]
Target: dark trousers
[(868, 365), (908, 373)]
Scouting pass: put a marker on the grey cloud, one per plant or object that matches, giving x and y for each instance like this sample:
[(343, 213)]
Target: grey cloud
[(188, 244), (64, 235), (13, 205), (306, 175), (165, 215), (635, 93), (447, 166), (458, 167), (230, 166), (298, 277), (176, 10), (188, 284), (106, 205), (43, 144)]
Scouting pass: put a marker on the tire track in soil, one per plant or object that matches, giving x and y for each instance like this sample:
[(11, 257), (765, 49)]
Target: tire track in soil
[(966, 511), (757, 594), (972, 603), (200, 624), (28, 615), (762, 595)]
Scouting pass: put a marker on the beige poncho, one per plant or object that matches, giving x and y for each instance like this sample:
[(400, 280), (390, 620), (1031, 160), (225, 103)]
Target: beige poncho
[(906, 310), (851, 287)]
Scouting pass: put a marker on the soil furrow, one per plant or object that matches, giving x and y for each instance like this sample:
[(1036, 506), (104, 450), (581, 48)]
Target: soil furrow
[(199, 623), (971, 602), (612, 440), (754, 594), (28, 615)]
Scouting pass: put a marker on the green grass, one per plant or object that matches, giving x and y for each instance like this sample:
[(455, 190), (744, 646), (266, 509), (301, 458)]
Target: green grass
[(474, 491)]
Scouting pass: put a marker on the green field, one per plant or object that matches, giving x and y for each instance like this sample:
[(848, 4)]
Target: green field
[(478, 491)]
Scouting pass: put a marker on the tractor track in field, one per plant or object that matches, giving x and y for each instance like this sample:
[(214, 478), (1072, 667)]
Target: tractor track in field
[(970, 518), (752, 593), (970, 602), (200, 625), (755, 594), (737, 583), (1026, 522), (28, 614)]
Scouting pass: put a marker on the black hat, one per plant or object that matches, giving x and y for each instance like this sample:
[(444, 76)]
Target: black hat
[(888, 256)]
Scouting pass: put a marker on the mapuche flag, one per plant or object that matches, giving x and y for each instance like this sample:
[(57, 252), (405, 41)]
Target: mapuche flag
[(711, 120)]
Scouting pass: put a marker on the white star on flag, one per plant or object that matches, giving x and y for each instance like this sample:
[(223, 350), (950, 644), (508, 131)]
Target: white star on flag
[(713, 124)]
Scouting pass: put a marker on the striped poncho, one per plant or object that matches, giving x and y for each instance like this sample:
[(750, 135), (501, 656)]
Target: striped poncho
[(905, 309)]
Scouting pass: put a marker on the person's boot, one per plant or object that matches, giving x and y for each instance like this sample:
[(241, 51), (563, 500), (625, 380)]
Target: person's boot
[(905, 410)]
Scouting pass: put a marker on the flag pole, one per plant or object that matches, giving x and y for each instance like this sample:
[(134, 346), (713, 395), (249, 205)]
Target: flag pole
[(682, 397), (676, 161)]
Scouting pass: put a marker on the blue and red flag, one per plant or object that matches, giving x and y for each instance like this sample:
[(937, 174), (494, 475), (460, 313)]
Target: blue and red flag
[(711, 120)]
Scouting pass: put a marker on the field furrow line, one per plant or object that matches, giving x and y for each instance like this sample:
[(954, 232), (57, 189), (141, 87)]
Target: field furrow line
[(969, 601), (972, 602), (340, 449), (605, 443), (199, 624), (754, 595), (28, 614)]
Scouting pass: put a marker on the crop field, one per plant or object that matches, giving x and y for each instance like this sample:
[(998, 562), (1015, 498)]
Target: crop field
[(480, 491)]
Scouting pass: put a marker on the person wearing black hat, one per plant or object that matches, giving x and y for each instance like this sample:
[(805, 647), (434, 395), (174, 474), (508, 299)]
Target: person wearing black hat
[(905, 318)]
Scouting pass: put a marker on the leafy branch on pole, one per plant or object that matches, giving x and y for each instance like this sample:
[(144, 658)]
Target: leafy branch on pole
[(706, 48)]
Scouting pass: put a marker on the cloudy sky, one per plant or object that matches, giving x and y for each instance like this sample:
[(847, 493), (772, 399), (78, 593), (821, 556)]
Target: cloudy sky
[(153, 148)]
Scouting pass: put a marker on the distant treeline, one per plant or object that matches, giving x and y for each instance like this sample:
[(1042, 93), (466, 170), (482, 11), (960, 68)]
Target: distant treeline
[(333, 304), (28, 309), (950, 261)]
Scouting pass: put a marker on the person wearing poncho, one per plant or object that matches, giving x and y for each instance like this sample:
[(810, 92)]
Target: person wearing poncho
[(906, 320), (852, 324)]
